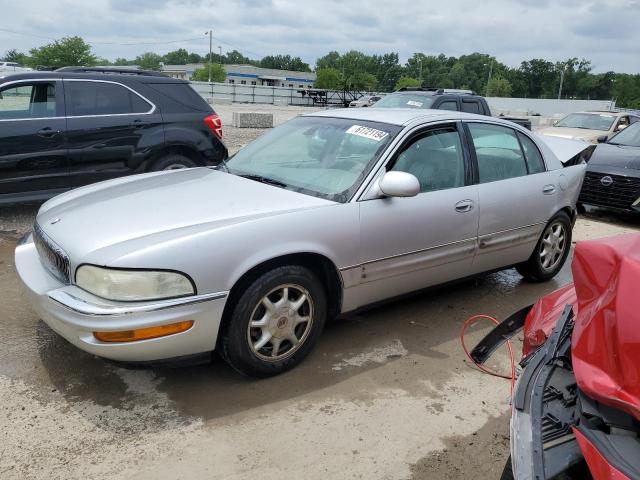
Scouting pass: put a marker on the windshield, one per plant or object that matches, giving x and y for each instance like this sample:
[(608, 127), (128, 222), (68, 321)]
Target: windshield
[(320, 156), (404, 100), (630, 136), (589, 121)]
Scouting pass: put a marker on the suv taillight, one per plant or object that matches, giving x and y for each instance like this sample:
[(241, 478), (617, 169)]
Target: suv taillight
[(214, 124)]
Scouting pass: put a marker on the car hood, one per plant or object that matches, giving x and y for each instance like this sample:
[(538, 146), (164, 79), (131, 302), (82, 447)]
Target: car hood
[(164, 204), (606, 335), (575, 133), (617, 156)]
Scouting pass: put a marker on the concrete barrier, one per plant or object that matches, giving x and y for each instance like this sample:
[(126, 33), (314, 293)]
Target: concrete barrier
[(253, 119)]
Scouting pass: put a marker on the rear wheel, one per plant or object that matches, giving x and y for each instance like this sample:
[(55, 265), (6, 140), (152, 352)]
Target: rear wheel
[(276, 322), (173, 161), (551, 250)]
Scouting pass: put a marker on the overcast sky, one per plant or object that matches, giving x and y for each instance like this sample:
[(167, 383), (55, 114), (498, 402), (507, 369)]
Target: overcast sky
[(605, 31)]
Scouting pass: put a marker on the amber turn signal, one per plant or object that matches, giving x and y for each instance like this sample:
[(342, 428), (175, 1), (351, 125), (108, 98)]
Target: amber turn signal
[(144, 333)]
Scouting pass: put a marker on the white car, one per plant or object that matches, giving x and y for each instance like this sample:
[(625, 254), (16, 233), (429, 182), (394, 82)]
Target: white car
[(365, 101), (13, 67)]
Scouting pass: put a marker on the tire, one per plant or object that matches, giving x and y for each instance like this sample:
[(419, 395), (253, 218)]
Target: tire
[(534, 269), (249, 349), (507, 473), (580, 208), (173, 161)]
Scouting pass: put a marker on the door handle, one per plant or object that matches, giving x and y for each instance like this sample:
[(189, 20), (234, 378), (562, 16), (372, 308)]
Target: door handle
[(464, 206), (549, 189), (47, 132)]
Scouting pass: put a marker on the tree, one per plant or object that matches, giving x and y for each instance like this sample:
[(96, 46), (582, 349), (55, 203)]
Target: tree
[(121, 61), (149, 61), (328, 78), (284, 62), (407, 82), (14, 55), (498, 87), (68, 51), (202, 74), (177, 57)]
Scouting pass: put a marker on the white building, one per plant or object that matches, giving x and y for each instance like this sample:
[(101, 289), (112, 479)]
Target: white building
[(248, 75)]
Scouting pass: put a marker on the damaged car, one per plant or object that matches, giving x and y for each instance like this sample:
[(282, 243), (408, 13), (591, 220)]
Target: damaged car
[(576, 403), (322, 215)]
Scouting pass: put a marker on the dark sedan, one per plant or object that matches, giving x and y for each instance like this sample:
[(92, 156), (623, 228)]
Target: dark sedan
[(613, 173)]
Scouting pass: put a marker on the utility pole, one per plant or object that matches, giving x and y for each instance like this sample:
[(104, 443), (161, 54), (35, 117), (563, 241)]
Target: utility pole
[(210, 33), (420, 78), (561, 82), (220, 48), (486, 93)]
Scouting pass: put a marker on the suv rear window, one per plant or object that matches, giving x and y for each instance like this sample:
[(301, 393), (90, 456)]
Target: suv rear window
[(182, 93), (404, 100), (100, 98)]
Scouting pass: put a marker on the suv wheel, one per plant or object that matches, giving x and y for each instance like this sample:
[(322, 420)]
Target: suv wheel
[(276, 322), (551, 250), (173, 161)]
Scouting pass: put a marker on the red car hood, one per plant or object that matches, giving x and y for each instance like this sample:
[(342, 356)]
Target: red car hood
[(606, 337)]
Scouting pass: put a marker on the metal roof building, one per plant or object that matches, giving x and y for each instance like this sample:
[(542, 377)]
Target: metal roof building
[(249, 75)]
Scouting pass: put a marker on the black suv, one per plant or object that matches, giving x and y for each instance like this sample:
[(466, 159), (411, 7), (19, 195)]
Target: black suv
[(74, 126), (442, 99)]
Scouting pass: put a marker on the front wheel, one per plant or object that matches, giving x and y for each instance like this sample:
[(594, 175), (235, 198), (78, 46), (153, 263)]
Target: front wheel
[(173, 161), (276, 322), (551, 250)]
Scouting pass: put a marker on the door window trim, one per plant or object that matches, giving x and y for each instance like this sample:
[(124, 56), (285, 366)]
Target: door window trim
[(60, 105), (62, 81)]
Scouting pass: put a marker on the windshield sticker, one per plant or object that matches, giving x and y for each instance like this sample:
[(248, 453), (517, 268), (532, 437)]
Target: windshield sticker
[(413, 103), (366, 132)]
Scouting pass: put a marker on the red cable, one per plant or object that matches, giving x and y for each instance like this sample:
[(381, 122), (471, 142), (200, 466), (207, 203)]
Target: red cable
[(472, 320)]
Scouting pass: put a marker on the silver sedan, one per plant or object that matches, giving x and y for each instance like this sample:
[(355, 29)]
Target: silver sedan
[(320, 216)]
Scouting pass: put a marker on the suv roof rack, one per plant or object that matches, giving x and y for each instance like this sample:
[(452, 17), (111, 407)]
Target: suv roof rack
[(437, 91), (123, 71)]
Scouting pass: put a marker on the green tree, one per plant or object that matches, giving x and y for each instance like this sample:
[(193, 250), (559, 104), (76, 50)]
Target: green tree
[(285, 62), (68, 51), (498, 87), (195, 58), (148, 61), (202, 74), (177, 57), (121, 61), (328, 78), (407, 82), (14, 55)]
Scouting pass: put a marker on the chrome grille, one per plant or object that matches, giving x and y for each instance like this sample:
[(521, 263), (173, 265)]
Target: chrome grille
[(52, 257), (621, 194)]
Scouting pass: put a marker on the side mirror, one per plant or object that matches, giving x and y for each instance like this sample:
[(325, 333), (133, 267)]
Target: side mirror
[(602, 139), (399, 184)]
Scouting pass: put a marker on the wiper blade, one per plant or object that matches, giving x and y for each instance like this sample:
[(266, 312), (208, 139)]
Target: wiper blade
[(261, 179)]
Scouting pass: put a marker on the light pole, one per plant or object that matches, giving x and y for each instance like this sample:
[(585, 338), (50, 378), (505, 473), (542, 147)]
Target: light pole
[(486, 93), (561, 82), (210, 33), (420, 77), (220, 48)]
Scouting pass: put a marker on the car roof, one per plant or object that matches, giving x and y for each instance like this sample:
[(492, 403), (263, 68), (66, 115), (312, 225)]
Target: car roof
[(122, 77), (400, 116)]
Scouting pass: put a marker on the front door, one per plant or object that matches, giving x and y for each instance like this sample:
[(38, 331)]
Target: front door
[(106, 123), (413, 243), (33, 157)]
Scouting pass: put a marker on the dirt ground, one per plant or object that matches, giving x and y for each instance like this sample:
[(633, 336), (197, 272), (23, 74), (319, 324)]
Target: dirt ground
[(387, 394)]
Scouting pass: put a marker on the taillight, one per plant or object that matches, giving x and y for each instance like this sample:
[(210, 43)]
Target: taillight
[(214, 124)]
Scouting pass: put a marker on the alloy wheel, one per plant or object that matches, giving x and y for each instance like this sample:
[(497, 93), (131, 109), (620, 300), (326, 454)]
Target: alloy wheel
[(553, 245), (281, 322)]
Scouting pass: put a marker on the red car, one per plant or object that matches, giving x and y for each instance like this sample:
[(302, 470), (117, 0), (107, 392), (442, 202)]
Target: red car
[(576, 404)]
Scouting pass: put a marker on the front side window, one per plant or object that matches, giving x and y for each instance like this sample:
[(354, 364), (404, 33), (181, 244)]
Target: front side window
[(497, 151), (435, 159), (319, 156), (99, 98), (628, 137), (36, 100)]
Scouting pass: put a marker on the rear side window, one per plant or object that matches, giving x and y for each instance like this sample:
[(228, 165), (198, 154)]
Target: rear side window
[(28, 101), (532, 154), (498, 152), (182, 93), (99, 98), (471, 106), (449, 105)]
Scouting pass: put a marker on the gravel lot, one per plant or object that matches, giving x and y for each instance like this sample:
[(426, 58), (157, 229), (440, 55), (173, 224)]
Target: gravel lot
[(386, 395)]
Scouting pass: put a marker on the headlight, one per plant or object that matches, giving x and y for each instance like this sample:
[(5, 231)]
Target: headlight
[(133, 285)]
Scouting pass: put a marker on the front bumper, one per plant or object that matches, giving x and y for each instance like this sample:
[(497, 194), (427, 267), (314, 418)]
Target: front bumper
[(75, 315)]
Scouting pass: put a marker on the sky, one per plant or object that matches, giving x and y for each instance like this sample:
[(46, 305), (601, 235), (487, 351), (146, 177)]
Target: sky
[(603, 31)]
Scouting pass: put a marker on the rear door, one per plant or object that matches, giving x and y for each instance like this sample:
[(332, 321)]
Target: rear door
[(33, 157), (517, 195), (108, 130)]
